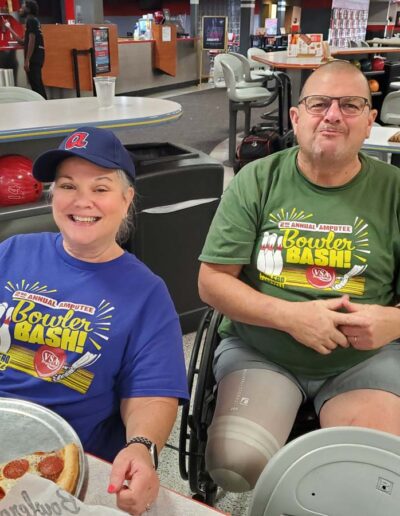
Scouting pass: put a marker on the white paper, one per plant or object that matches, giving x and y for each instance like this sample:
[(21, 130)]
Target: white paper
[(166, 34), (34, 495)]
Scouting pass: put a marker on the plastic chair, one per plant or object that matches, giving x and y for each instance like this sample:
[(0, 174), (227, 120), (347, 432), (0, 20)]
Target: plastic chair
[(249, 75), (336, 471), (241, 99), (237, 66), (254, 51), (16, 94), (390, 111)]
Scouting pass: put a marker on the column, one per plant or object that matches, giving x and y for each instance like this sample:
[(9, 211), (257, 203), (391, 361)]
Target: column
[(68, 10), (194, 18), (280, 13), (246, 24)]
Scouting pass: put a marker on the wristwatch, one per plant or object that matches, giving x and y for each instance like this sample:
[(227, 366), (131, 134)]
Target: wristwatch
[(152, 447)]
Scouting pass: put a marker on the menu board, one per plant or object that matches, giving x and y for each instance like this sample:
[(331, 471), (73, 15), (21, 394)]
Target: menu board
[(305, 45), (271, 26), (214, 32), (101, 46)]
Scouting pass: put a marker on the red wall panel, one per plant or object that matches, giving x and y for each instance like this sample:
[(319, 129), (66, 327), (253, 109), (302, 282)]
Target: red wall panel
[(130, 7)]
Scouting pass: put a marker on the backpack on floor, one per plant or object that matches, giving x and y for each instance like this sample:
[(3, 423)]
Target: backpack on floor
[(258, 144)]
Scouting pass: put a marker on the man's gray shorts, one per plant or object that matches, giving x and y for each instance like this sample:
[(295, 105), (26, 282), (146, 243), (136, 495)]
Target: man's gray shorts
[(380, 372)]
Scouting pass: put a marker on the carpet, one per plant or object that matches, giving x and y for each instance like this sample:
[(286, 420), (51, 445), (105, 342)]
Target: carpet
[(203, 125)]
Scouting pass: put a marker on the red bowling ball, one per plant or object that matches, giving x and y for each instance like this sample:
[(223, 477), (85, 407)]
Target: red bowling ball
[(17, 184)]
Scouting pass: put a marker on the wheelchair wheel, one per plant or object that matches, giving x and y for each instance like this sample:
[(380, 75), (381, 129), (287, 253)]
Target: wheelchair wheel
[(196, 416)]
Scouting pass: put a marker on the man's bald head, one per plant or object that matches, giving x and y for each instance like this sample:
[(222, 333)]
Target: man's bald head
[(333, 68)]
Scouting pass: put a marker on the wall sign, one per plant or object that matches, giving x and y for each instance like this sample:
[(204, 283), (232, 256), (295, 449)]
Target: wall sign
[(214, 32), (101, 46)]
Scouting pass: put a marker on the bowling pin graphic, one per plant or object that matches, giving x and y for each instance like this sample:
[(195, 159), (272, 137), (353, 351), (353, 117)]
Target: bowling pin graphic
[(269, 254), (3, 308), (278, 261), (261, 253), (5, 337)]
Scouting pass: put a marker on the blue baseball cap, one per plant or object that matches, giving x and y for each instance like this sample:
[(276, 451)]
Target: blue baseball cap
[(99, 146)]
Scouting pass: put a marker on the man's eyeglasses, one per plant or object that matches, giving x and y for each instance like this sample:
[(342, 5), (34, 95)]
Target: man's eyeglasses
[(320, 104)]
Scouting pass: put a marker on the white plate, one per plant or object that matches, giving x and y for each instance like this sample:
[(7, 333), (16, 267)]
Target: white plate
[(26, 427)]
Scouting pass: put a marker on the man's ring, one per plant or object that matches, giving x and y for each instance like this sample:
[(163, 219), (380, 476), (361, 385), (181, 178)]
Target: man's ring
[(147, 507)]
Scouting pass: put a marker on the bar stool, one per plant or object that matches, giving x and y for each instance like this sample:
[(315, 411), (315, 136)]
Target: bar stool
[(390, 111), (6, 77), (249, 74), (258, 67), (237, 66), (16, 94), (241, 99)]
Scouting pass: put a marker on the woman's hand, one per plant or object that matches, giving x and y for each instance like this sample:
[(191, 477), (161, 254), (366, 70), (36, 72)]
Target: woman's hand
[(134, 480)]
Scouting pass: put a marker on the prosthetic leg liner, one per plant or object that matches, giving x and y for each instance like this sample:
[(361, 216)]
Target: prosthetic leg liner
[(255, 412)]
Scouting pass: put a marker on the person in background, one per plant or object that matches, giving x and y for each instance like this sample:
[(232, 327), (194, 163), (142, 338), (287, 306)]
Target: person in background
[(303, 259), (96, 330), (33, 45)]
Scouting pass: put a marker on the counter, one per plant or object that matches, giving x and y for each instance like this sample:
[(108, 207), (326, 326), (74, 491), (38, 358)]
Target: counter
[(136, 71)]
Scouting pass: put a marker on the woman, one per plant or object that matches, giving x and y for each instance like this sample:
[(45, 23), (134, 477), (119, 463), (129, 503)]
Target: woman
[(97, 331), (33, 45)]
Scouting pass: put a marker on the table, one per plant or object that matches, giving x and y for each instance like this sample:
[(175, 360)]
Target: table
[(30, 128), (390, 42), (168, 502), (28, 120), (300, 67), (378, 141), (281, 60)]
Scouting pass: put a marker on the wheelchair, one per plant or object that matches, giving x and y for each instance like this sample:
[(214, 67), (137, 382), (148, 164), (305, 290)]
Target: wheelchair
[(197, 415)]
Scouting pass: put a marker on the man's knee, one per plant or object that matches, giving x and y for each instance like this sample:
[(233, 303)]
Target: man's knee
[(237, 452)]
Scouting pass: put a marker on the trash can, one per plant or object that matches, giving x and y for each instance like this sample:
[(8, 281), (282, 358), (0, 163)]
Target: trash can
[(179, 189), (26, 218), (6, 77)]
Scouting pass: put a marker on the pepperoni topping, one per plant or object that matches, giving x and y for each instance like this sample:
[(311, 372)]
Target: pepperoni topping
[(2, 493), (16, 468), (51, 467)]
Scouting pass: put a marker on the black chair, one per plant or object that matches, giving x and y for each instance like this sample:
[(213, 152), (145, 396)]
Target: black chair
[(197, 415)]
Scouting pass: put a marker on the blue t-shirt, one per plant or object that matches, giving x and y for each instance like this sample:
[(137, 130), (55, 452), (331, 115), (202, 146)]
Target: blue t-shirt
[(77, 337)]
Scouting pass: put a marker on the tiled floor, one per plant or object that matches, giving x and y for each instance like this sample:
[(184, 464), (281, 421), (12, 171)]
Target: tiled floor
[(235, 504)]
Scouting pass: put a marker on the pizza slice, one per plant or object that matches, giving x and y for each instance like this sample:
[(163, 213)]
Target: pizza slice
[(61, 466), (395, 137)]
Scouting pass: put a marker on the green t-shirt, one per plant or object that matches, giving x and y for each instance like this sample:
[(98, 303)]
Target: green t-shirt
[(300, 242)]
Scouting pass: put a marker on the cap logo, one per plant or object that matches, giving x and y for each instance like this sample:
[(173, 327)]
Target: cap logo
[(77, 141)]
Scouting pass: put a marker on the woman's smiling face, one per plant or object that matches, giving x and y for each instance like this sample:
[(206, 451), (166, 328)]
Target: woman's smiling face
[(89, 204)]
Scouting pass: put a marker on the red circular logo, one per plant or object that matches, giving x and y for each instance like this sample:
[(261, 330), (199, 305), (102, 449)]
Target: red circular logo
[(320, 277), (48, 361)]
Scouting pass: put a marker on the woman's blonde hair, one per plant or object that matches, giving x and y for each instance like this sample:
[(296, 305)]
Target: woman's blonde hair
[(127, 225)]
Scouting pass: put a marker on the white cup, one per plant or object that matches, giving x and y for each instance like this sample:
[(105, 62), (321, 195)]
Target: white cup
[(105, 90)]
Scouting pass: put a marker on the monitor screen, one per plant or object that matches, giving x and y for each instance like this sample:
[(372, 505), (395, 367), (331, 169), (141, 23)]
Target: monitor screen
[(150, 4)]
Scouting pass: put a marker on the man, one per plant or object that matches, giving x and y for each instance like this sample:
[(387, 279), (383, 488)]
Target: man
[(33, 45), (303, 260)]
